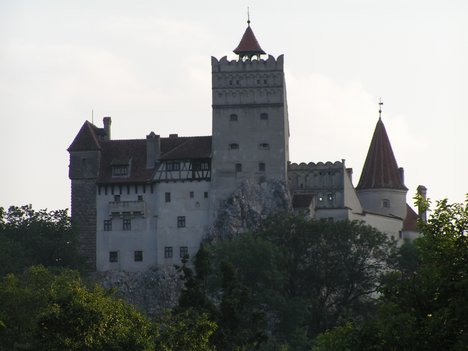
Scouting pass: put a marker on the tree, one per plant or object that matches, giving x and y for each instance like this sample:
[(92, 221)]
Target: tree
[(29, 237), (423, 302), (43, 311)]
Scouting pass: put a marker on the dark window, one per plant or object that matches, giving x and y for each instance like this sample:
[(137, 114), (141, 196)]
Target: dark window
[(264, 146), (172, 165), (386, 203), (204, 166), (138, 256), (167, 197), (107, 225), (205, 194), (191, 194), (181, 221), (120, 171), (330, 197), (127, 224), (261, 167), (264, 116), (183, 251), (117, 198), (238, 167), (168, 252), (233, 146), (113, 256), (140, 197), (233, 117)]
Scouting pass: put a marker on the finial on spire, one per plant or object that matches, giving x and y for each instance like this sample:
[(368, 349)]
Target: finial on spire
[(380, 107), (248, 16)]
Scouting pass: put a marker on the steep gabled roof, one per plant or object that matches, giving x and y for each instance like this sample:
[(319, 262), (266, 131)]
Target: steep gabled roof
[(248, 45), (185, 148), (410, 223), (380, 169), (86, 139)]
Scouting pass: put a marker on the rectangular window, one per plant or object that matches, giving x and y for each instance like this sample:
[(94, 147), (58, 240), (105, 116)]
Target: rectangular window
[(183, 251), (138, 256), (167, 197), (172, 165), (233, 117), (180, 221), (386, 203), (117, 198), (261, 167), (168, 252), (264, 116), (264, 146), (140, 197), (233, 146), (120, 171), (191, 194), (113, 256), (205, 194), (238, 167), (204, 166), (127, 224), (107, 225)]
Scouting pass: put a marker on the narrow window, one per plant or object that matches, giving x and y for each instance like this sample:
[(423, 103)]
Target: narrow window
[(107, 225), (127, 224), (238, 167), (261, 167), (205, 194), (113, 256), (138, 256), (233, 146), (191, 194), (264, 116), (167, 197), (183, 251), (168, 252), (140, 197), (117, 198), (181, 222), (233, 117)]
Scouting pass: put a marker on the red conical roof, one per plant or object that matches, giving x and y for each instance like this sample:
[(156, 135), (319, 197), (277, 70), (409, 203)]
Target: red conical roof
[(248, 45), (380, 169)]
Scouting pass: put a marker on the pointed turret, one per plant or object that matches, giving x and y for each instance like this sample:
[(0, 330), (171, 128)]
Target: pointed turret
[(381, 188), (249, 46), (380, 169)]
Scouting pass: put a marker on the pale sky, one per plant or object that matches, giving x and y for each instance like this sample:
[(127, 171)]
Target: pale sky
[(147, 65)]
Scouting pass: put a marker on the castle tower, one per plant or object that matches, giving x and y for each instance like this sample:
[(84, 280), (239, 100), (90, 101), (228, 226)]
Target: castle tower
[(250, 118), (381, 188), (85, 157)]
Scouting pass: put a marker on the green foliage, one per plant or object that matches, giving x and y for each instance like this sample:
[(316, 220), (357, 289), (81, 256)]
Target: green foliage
[(29, 237), (423, 302), (42, 311), (290, 280)]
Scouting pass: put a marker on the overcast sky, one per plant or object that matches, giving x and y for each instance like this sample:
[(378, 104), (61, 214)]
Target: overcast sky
[(147, 65)]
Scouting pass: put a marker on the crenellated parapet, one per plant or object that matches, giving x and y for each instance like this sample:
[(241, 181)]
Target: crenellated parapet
[(225, 65), (311, 166)]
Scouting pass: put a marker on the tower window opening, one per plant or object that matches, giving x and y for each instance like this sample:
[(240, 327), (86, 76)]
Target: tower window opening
[(264, 116), (238, 167), (234, 146), (385, 203), (233, 117), (264, 146), (261, 167)]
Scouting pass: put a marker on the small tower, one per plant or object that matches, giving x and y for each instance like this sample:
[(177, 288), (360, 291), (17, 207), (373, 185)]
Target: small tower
[(381, 188), (250, 118)]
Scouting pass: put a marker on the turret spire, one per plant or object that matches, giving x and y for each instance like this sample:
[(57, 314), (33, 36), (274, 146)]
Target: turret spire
[(248, 46)]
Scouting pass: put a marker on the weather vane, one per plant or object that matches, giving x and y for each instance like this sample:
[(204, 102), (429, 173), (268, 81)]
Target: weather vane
[(380, 107)]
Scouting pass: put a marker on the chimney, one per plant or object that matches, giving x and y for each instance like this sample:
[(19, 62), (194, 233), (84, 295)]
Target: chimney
[(107, 127), (401, 171), (153, 149), (422, 191)]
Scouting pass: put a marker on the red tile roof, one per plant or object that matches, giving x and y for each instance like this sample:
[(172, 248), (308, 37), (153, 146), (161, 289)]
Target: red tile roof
[(248, 45), (410, 223), (86, 139), (380, 169)]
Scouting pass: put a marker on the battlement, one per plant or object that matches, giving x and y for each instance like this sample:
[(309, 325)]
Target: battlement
[(315, 166), (225, 65)]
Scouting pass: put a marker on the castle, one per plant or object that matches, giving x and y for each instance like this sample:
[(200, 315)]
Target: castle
[(150, 202)]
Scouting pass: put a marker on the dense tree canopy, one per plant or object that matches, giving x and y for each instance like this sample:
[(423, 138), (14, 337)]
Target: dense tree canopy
[(291, 279), (423, 302), (29, 237)]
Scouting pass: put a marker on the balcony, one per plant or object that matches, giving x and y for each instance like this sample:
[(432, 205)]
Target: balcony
[(127, 208)]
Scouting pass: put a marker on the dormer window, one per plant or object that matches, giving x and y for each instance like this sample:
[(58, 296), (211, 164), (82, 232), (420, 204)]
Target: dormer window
[(172, 166), (120, 171)]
